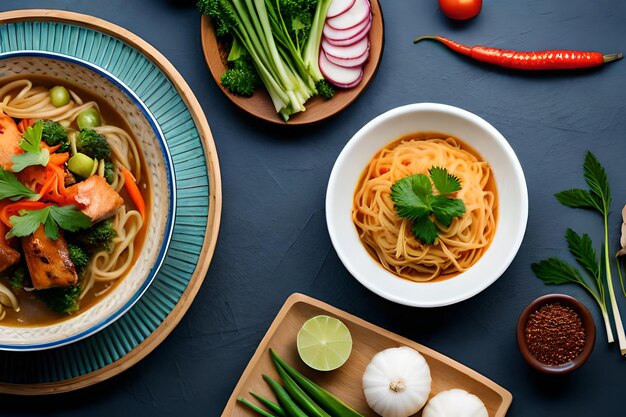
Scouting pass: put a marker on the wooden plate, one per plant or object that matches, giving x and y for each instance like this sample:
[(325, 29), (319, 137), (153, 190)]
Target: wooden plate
[(317, 109), (345, 382)]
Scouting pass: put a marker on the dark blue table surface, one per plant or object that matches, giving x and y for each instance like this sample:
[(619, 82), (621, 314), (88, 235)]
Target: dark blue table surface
[(273, 239)]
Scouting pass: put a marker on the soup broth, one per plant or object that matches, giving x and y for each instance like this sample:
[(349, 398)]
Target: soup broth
[(33, 312)]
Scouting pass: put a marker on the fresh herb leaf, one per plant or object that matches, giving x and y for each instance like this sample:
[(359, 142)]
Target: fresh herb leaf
[(577, 198), (29, 221), (414, 200), (70, 218), (27, 159), (14, 190), (582, 249), (66, 217), (413, 196), (33, 154), (425, 230), (32, 137), (50, 228), (446, 209), (444, 182), (596, 179), (554, 271)]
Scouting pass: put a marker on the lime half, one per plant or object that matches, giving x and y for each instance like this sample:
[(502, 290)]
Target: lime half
[(324, 343)]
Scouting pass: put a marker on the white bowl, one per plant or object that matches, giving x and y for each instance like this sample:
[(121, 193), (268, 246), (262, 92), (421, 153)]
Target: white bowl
[(512, 203), (160, 224)]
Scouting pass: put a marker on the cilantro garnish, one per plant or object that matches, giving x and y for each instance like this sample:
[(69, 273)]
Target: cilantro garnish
[(52, 217), (33, 154), (11, 188), (414, 200)]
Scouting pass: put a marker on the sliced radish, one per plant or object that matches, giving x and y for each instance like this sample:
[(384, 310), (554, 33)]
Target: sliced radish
[(356, 38), (359, 11), (335, 34), (346, 52), (350, 62), (338, 7), (340, 76)]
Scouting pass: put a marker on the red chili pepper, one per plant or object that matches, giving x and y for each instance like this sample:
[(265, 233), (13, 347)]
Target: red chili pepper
[(541, 60)]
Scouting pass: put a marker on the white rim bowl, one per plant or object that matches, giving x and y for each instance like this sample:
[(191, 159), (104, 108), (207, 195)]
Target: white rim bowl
[(161, 176), (512, 203)]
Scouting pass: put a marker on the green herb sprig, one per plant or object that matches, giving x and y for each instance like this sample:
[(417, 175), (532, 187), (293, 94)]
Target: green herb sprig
[(11, 188), (33, 154), (66, 217), (415, 200), (556, 271)]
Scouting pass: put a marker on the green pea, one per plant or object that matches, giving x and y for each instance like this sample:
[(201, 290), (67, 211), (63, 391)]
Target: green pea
[(59, 96), (80, 164), (88, 119)]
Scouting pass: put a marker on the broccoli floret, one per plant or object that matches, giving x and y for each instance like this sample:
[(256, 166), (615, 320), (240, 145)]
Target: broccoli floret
[(98, 237), (109, 172), (93, 144), (242, 78), (324, 89), (16, 277), (62, 300), (54, 134), (78, 256), (215, 10)]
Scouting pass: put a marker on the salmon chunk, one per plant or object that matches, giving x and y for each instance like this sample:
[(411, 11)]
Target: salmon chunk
[(10, 138), (8, 257), (48, 260), (98, 199)]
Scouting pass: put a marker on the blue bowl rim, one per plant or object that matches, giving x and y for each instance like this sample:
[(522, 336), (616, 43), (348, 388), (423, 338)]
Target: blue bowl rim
[(171, 181)]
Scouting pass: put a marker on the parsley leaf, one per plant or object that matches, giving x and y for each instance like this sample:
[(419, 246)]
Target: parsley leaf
[(444, 182), (28, 222), (27, 159), (70, 218), (446, 209), (33, 154), (52, 217), (425, 230), (32, 137), (12, 189), (412, 196), (414, 200)]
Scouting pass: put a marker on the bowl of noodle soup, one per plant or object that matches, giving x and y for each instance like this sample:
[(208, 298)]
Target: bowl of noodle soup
[(115, 276), (381, 250)]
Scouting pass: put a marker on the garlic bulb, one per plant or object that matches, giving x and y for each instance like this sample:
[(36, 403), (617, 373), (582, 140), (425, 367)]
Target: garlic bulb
[(455, 403), (397, 382)]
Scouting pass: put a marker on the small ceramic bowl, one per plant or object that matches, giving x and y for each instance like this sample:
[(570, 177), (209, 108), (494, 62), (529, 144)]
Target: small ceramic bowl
[(512, 203), (160, 222), (587, 322)]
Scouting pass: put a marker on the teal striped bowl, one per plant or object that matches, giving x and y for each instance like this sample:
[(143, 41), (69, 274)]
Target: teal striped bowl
[(176, 111)]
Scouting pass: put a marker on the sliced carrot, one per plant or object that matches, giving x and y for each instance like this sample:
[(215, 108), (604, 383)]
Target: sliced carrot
[(58, 158), (51, 149), (135, 194), (24, 123), (13, 208)]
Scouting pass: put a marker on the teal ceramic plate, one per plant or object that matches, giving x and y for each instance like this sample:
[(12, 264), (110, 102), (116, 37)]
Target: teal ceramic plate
[(155, 81)]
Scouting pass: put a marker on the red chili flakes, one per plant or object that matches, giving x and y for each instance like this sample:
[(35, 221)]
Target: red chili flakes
[(555, 334)]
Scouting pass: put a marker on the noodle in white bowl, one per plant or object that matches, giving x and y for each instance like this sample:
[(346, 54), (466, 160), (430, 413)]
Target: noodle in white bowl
[(346, 228)]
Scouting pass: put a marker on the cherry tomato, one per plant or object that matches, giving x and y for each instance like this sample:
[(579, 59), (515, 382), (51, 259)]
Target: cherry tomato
[(460, 9)]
